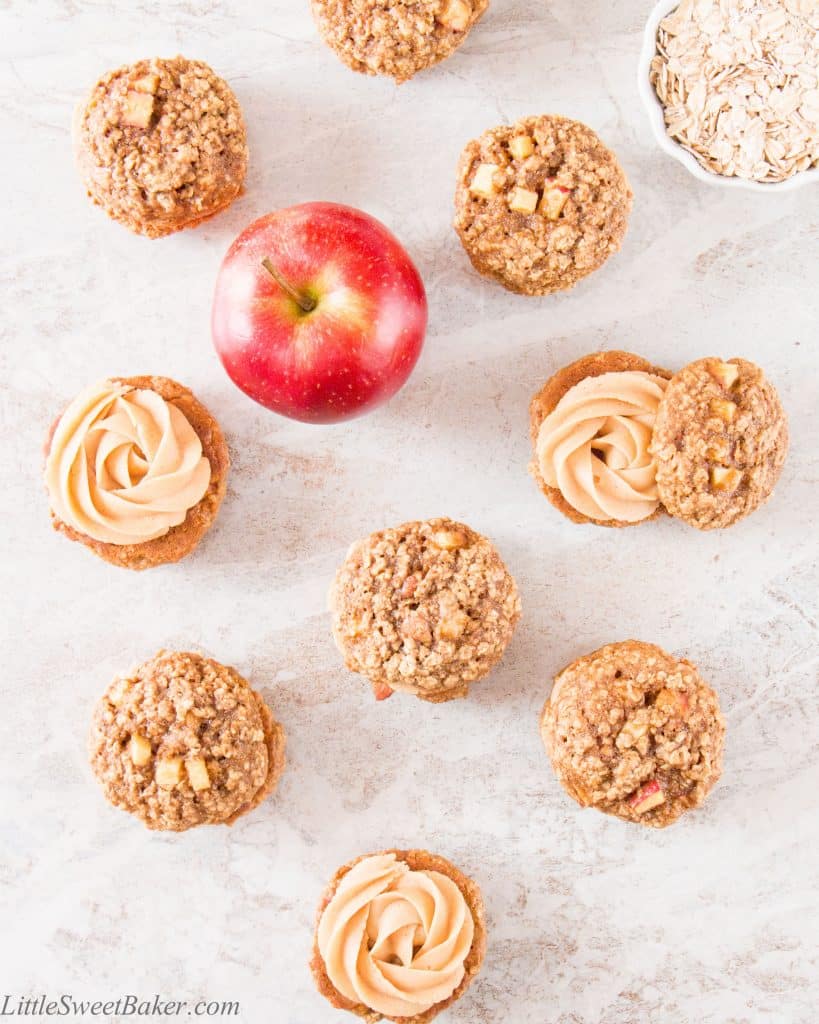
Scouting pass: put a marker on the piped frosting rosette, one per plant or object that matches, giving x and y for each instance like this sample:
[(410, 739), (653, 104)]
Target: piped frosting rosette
[(124, 465), (594, 446), (395, 939)]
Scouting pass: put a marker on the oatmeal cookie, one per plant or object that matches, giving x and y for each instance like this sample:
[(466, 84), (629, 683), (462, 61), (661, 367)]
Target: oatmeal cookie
[(408, 978), (634, 732), (395, 37), (591, 426), (540, 204), (720, 441), (182, 741), (161, 145), (427, 608), (136, 469)]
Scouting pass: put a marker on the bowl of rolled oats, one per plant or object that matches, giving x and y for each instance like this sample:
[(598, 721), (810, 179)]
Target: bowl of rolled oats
[(731, 88)]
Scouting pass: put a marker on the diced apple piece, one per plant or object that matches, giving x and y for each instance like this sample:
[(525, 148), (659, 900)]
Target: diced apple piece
[(726, 373), (521, 200), (168, 772), (197, 772), (138, 109), (382, 691), (724, 409), (553, 201), (673, 701), (148, 83), (647, 797), (725, 478), (456, 15), (139, 749), (521, 147), (483, 184), (450, 540)]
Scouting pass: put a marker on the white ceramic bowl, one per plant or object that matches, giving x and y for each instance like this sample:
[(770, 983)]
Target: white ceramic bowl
[(654, 110)]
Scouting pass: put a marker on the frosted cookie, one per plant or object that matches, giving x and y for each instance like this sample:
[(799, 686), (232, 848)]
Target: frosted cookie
[(136, 469), (427, 608), (400, 935), (720, 441), (182, 741), (540, 204), (591, 426), (634, 732), (161, 145), (395, 37)]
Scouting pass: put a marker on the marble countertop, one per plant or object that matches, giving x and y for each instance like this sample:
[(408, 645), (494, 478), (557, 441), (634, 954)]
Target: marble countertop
[(591, 921)]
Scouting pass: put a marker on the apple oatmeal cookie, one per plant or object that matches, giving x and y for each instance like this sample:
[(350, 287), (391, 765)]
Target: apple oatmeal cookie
[(540, 204), (397, 38), (426, 607), (161, 145), (635, 733), (720, 441), (182, 741)]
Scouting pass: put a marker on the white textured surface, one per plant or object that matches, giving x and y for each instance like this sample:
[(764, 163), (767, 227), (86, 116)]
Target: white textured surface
[(591, 921)]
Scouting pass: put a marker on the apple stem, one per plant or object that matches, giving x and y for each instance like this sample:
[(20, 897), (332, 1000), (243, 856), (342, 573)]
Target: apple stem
[(305, 302)]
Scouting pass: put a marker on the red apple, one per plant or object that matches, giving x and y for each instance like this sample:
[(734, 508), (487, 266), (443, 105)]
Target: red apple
[(319, 313)]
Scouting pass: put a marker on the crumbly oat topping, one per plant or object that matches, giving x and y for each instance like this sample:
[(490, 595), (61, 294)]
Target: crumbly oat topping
[(540, 204), (720, 441), (182, 741), (395, 37), (427, 607), (739, 81), (161, 145), (635, 733)]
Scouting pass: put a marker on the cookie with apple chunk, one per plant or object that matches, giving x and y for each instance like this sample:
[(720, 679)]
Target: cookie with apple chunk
[(427, 608), (720, 442), (540, 204), (182, 740), (161, 145), (397, 38), (634, 732)]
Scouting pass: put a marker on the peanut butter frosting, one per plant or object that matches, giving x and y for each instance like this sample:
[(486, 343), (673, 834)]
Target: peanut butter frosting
[(594, 446), (394, 939), (124, 465)]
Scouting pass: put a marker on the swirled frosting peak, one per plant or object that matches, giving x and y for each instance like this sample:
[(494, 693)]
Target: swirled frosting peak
[(593, 446), (394, 939), (124, 465)]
